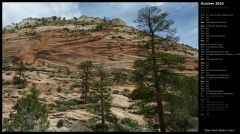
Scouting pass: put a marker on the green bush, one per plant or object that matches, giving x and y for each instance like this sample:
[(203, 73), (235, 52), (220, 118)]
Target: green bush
[(80, 127), (8, 73), (99, 26), (120, 78), (68, 72), (7, 82), (65, 29), (71, 87), (60, 123), (59, 89), (130, 122), (126, 90), (116, 92), (76, 85), (69, 105), (21, 86), (22, 83), (83, 23), (73, 77), (15, 80), (71, 102)]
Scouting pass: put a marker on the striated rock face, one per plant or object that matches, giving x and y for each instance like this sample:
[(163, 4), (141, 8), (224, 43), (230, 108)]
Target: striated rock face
[(68, 45)]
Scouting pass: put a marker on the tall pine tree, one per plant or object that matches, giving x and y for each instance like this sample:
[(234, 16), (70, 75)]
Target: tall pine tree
[(85, 76)]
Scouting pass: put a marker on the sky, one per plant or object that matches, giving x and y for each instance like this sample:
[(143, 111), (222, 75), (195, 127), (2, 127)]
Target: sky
[(185, 15)]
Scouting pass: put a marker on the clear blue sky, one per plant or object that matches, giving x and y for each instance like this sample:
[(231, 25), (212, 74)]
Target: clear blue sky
[(185, 15)]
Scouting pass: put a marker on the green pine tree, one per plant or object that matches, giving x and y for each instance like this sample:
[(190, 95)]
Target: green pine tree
[(86, 76), (157, 72), (102, 102), (29, 114)]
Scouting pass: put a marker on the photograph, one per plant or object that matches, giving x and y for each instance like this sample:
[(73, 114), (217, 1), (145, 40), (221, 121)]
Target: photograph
[(100, 67)]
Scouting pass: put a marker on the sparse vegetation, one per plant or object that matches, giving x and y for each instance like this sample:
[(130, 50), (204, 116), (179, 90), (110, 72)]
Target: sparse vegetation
[(130, 122), (100, 26), (120, 78), (69, 105)]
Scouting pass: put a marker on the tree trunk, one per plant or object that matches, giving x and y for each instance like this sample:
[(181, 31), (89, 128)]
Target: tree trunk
[(157, 88), (87, 87), (20, 75), (102, 110), (142, 104)]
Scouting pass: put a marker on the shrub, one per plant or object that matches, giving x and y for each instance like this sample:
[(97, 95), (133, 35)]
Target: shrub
[(7, 82), (59, 70), (68, 72), (126, 90), (60, 123), (73, 77), (22, 83), (15, 80), (71, 102), (120, 78), (59, 89), (11, 30), (100, 26), (116, 92), (43, 99), (42, 54), (65, 29), (21, 86), (83, 23), (71, 87), (130, 122), (8, 73), (76, 85), (80, 127), (69, 105)]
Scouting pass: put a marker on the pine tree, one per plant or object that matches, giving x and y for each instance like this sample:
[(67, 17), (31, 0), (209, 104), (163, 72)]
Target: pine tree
[(152, 21), (21, 68), (86, 75), (19, 78), (29, 114), (143, 76), (102, 102)]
